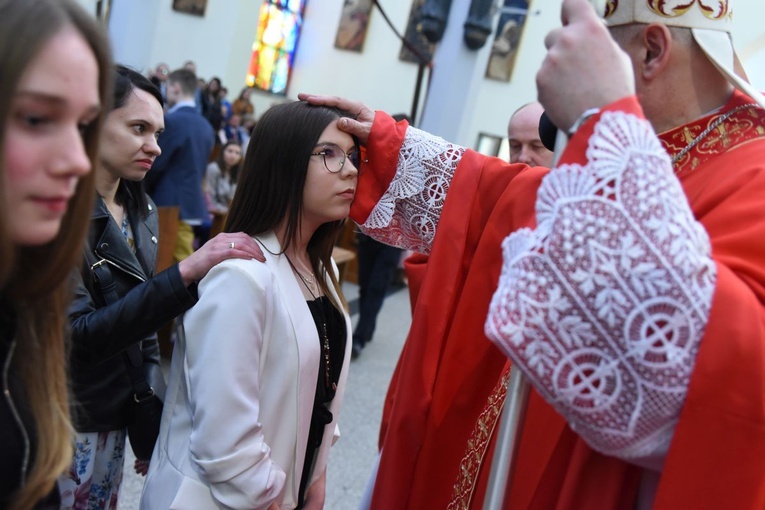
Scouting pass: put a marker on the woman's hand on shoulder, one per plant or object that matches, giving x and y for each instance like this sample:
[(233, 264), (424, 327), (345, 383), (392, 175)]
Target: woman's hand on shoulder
[(221, 247)]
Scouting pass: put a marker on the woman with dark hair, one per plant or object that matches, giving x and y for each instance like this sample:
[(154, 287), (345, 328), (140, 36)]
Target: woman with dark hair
[(211, 103), (220, 178), (257, 378), (122, 248), (55, 69)]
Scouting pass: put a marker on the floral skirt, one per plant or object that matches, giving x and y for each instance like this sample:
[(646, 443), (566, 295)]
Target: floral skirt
[(93, 480)]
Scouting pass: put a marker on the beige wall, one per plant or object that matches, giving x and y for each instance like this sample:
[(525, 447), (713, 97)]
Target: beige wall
[(498, 100), (221, 42)]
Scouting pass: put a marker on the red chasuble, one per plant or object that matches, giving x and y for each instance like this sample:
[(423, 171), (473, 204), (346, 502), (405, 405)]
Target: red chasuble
[(447, 394)]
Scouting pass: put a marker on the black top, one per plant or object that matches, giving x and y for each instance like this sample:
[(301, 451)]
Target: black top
[(322, 308), (13, 403)]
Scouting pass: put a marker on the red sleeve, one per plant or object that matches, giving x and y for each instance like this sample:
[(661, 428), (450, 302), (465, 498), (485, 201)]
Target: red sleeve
[(717, 455), (376, 175), (576, 150)]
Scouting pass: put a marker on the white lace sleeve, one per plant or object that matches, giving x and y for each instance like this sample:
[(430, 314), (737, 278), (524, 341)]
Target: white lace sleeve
[(407, 214), (604, 304)]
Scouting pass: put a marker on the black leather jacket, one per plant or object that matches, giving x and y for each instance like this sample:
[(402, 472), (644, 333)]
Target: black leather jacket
[(100, 332)]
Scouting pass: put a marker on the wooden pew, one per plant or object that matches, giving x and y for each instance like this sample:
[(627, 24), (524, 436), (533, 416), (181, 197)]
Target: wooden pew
[(217, 224), (349, 243), (169, 218), (342, 258)]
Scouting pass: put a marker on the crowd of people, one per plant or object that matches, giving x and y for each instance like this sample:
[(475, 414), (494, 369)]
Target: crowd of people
[(627, 283), (82, 302), (188, 99), (230, 120), (119, 301)]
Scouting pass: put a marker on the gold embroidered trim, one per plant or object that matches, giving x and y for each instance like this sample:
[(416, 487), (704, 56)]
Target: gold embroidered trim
[(740, 128), (712, 9), (477, 444)]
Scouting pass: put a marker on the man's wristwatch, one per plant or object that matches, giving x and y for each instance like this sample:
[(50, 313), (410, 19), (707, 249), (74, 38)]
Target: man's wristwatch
[(581, 120)]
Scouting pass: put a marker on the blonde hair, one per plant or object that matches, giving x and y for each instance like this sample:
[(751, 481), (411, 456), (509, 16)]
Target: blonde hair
[(34, 280)]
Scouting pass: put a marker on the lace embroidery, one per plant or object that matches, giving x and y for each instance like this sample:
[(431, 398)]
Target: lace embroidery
[(605, 303), (407, 214)]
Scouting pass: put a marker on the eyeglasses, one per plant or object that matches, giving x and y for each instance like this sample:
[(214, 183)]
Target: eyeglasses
[(334, 157)]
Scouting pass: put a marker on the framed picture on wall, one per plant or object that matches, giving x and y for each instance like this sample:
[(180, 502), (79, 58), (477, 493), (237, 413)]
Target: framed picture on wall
[(488, 144), (195, 7), (354, 20), (504, 49), (493, 145), (415, 38), (103, 10)]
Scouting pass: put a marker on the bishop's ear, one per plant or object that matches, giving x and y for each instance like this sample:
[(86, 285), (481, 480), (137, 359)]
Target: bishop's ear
[(657, 45)]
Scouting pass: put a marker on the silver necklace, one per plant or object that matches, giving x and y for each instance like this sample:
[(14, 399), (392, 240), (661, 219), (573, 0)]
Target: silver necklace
[(309, 281), (719, 120), (311, 278), (326, 351)]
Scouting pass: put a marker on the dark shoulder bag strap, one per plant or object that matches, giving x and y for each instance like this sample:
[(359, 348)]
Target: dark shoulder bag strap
[(102, 276)]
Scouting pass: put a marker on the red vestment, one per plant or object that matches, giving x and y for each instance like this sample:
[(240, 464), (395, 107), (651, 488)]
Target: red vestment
[(447, 394)]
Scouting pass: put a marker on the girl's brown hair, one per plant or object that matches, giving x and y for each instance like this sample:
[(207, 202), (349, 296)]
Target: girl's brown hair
[(34, 280), (272, 178)]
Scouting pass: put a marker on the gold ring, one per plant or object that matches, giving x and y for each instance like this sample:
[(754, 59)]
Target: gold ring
[(231, 245)]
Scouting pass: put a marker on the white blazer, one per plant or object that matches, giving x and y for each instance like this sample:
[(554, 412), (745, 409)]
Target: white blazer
[(241, 392)]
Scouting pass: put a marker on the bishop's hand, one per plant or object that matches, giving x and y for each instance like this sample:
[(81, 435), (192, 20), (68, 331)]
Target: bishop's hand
[(584, 67), (365, 116)]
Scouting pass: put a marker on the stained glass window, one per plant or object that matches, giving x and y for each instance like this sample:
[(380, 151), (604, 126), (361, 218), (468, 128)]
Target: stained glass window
[(273, 51)]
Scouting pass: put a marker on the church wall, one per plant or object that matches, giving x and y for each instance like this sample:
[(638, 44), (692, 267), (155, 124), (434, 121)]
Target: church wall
[(375, 76), (145, 32), (221, 41), (498, 100)]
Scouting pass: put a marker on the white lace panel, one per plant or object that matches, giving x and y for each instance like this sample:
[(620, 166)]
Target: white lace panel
[(604, 304), (407, 214)]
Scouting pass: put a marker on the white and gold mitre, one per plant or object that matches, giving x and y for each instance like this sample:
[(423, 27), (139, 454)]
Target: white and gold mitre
[(710, 22), (704, 14)]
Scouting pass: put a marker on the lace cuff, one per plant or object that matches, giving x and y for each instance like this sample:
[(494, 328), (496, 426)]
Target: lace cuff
[(605, 303), (407, 214)]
